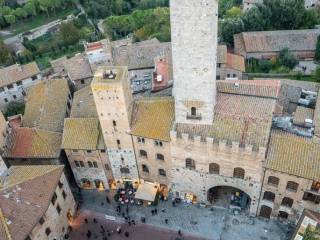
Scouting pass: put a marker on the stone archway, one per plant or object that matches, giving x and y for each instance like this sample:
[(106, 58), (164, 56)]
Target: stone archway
[(228, 197)]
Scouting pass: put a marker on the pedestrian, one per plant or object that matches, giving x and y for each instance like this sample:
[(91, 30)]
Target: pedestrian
[(102, 228), (119, 229), (127, 210), (156, 211), (152, 212), (123, 214), (107, 199), (163, 210), (179, 233), (166, 221), (129, 222), (86, 221), (94, 220), (133, 222), (126, 234), (89, 234)]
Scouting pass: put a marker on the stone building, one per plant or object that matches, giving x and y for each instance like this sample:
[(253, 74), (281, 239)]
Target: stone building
[(229, 66), (86, 154), (114, 103), (268, 44), (38, 139), (35, 203), (14, 80), (151, 124)]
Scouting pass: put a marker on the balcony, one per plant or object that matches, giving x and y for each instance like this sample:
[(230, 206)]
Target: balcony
[(194, 117)]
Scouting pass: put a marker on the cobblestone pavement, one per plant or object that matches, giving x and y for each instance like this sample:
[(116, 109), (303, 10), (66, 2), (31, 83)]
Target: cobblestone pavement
[(136, 232), (215, 223)]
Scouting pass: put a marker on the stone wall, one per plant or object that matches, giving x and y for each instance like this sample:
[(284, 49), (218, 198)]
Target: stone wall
[(199, 181), (57, 222), (152, 162), (194, 50), (280, 192), (102, 172)]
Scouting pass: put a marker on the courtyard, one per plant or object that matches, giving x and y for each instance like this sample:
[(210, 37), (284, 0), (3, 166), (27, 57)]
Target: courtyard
[(194, 221)]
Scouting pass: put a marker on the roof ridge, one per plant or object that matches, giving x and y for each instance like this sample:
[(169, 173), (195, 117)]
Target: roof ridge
[(39, 174)]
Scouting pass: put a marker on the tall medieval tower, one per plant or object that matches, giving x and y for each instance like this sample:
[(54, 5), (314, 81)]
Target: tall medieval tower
[(194, 31)]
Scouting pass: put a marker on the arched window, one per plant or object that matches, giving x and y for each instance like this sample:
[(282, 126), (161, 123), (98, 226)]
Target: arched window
[(145, 168), (162, 172), (193, 111), (143, 153), (274, 181), (292, 186), (114, 123), (95, 164), (190, 164), (77, 163), (270, 196), (238, 173), (90, 164), (81, 163), (124, 170), (160, 157), (214, 168), (288, 202)]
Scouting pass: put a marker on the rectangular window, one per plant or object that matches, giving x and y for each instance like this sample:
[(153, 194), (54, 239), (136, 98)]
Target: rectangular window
[(34, 78), (64, 195), (81, 163), (58, 209), (89, 151), (77, 163), (82, 81), (19, 83), (158, 143), (75, 151), (10, 86), (48, 231), (141, 140), (6, 100), (95, 164), (107, 167), (103, 151), (54, 198), (41, 221)]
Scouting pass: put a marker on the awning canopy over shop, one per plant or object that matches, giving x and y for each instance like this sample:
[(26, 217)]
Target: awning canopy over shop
[(147, 192)]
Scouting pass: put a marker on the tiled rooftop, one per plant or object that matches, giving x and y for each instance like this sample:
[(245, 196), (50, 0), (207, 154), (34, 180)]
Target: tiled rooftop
[(140, 55), (236, 62), (83, 104), (301, 114), (32, 143), (78, 67), (88, 128), (153, 118), (259, 88), (15, 73), (270, 41), (294, 155), (239, 118), (46, 105), (33, 186)]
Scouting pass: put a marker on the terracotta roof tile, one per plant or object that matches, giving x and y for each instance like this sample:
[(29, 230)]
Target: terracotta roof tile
[(17, 73), (46, 105), (274, 41), (32, 143), (236, 62), (83, 104), (88, 128), (25, 195), (294, 155), (153, 118), (259, 88)]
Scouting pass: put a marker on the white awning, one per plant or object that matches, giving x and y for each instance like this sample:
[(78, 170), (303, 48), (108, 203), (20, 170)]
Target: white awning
[(147, 191)]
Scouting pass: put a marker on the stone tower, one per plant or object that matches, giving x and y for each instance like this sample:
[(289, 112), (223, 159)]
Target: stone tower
[(113, 99), (194, 31)]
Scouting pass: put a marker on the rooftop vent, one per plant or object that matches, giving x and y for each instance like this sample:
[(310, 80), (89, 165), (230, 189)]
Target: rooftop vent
[(109, 74)]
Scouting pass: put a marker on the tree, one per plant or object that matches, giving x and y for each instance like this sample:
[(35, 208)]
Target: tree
[(30, 8), (14, 108), (68, 33), (316, 75), (10, 19), (45, 5), (6, 56), (287, 59), (233, 12), (228, 27), (311, 234)]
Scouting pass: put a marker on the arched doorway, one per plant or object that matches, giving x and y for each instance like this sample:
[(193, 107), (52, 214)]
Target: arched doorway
[(265, 211), (226, 196), (86, 183), (99, 184)]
